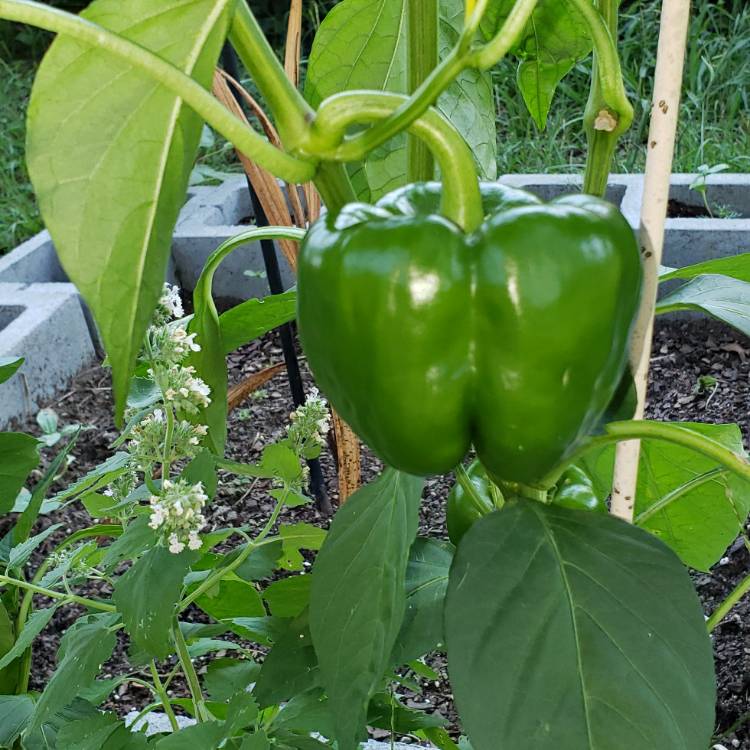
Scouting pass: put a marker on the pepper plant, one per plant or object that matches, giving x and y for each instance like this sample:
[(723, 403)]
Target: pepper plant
[(442, 316)]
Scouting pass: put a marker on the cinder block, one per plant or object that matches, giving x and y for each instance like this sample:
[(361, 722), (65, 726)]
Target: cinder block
[(44, 323)]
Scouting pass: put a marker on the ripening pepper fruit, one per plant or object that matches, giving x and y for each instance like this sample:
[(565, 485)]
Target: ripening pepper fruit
[(573, 490), (512, 338)]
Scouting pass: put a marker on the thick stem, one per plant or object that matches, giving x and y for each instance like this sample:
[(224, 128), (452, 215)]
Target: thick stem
[(193, 94), (422, 59), (728, 604), (602, 131), (665, 108), (461, 198), (288, 108), (499, 46), (191, 676)]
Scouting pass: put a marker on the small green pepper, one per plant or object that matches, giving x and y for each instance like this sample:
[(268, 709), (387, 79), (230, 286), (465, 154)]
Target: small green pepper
[(575, 490)]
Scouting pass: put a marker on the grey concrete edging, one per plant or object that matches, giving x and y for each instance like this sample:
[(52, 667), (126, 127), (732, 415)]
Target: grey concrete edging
[(212, 215)]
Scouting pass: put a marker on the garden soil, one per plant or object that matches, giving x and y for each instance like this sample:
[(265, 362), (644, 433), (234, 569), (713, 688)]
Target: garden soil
[(684, 351)]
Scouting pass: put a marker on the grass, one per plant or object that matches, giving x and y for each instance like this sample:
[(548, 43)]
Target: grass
[(714, 125)]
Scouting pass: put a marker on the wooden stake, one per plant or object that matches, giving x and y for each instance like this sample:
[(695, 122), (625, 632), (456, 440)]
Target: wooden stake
[(675, 18)]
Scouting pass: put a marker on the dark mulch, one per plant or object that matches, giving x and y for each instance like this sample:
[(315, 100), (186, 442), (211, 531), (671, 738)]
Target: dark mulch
[(683, 352)]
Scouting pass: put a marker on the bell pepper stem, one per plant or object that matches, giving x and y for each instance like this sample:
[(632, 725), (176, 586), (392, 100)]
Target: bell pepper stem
[(252, 144), (462, 201)]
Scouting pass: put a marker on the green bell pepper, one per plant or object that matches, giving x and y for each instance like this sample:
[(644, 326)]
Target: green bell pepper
[(512, 338), (573, 490)]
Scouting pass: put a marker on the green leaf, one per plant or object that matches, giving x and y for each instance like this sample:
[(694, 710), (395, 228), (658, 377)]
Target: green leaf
[(291, 666), (571, 630), (426, 584), (20, 554), (305, 712), (204, 646), (136, 539), (19, 456), (555, 38), (103, 133), (265, 630), (289, 596), (361, 44), (736, 266), (147, 616), (261, 562), (358, 595), (683, 497), (83, 649), (225, 677), (722, 297), (9, 675), (387, 712), (206, 736), (9, 366), (45, 737), (281, 462), (102, 732), (231, 598), (100, 476), (38, 621), (15, 712), (251, 319), (295, 537)]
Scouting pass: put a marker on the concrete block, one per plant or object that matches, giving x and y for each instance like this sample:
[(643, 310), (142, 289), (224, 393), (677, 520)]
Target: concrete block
[(45, 324)]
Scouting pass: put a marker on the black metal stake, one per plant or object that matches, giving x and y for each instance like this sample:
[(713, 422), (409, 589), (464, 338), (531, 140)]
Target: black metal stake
[(286, 331)]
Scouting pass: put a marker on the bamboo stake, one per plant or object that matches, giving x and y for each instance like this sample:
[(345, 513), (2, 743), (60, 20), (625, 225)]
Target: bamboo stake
[(675, 17)]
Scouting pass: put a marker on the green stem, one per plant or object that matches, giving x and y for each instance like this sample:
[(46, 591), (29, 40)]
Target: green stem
[(422, 59), (163, 697), (166, 464), (191, 676), (461, 198), (728, 604), (334, 186), (250, 545), (192, 93), (470, 489), (290, 111), (608, 112), (90, 603)]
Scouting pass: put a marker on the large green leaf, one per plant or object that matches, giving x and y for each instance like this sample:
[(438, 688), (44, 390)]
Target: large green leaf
[(148, 618), (255, 317), (723, 297), (231, 598), (426, 584), (361, 44), (569, 630), (19, 455), (555, 38), (83, 649), (15, 712), (358, 595), (38, 620), (736, 266), (110, 152), (683, 497)]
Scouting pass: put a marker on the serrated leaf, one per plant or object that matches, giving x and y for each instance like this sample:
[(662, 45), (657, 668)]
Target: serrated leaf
[(206, 736), (136, 539), (358, 595), (295, 537), (38, 621), (102, 132), (724, 298), (231, 598), (598, 622), (288, 597), (148, 619), (9, 366), (15, 712), (19, 456), (265, 630), (361, 44), (426, 584), (98, 477), (225, 677), (83, 649), (20, 554)]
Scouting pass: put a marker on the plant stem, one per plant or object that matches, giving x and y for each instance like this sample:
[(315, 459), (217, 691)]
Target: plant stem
[(470, 489), (602, 142), (166, 464), (191, 676), (290, 111), (192, 93), (91, 603), (496, 49), (422, 58), (728, 604), (461, 201), (163, 697)]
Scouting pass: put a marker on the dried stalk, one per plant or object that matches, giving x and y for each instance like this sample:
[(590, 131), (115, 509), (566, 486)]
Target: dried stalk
[(675, 18)]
